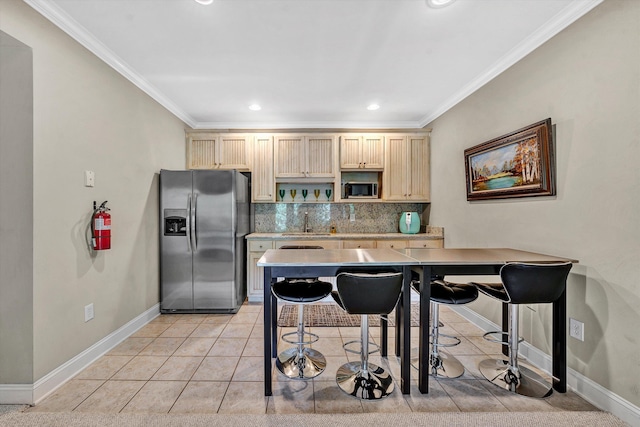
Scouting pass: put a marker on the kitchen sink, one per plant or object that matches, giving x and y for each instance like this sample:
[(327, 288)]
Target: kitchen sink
[(300, 233)]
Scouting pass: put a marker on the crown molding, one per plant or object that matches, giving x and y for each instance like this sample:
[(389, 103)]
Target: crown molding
[(307, 125), (61, 19), (559, 22), (76, 31)]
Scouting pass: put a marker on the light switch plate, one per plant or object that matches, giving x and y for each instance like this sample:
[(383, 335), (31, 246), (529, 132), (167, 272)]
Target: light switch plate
[(89, 178), (88, 312)]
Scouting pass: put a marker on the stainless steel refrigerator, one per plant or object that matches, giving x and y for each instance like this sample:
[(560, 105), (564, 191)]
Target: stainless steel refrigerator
[(204, 218)]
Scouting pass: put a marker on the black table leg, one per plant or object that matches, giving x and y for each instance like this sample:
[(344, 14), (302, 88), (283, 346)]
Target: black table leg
[(505, 328), (267, 330), (398, 327), (559, 338), (384, 334), (423, 344), (405, 342)]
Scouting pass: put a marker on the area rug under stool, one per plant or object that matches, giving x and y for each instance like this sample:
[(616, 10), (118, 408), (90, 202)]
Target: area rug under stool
[(331, 315)]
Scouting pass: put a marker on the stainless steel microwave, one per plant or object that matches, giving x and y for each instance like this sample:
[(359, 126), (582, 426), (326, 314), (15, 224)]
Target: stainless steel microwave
[(362, 190)]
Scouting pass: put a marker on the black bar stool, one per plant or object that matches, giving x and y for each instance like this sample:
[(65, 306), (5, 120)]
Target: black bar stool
[(364, 294), (301, 362), (521, 284), (445, 365)]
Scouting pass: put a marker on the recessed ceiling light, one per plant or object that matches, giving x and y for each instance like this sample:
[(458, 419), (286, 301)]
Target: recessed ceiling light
[(205, 2), (439, 3), (373, 107), (255, 107)]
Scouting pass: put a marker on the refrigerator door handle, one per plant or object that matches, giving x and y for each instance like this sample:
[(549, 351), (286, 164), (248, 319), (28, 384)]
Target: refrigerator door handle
[(194, 231), (189, 222)]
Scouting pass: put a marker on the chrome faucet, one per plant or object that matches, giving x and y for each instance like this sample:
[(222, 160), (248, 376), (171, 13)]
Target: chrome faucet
[(306, 223)]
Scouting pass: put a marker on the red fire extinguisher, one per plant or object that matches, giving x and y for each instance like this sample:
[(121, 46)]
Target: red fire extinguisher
[(101, 227)]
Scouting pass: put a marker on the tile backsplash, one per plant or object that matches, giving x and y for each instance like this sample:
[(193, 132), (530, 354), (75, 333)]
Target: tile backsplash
[(369, 217)]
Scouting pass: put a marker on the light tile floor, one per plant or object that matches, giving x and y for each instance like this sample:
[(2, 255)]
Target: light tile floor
[(212, 363)]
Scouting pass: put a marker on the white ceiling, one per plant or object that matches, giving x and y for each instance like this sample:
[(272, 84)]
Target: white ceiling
[(310, 63)]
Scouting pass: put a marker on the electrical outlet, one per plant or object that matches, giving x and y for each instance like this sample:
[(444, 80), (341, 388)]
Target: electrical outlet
[(576, 329), (88, 312)]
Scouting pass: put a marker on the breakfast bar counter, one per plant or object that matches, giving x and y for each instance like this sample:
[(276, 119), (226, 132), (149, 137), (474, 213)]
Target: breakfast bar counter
[(429, 262)]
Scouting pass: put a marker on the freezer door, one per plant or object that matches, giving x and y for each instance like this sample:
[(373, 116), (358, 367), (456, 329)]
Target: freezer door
[(214, 244), (176, 277)]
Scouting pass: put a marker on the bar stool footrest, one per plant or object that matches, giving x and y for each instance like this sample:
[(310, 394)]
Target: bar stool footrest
[(504, 341), (312, 338), (376, 347)]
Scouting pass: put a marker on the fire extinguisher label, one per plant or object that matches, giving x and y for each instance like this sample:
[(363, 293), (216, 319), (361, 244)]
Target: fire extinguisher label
[(103, 224)]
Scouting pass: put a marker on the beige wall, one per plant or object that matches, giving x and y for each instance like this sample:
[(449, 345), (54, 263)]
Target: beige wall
[(587, 79), (88, 117), (16, 211)]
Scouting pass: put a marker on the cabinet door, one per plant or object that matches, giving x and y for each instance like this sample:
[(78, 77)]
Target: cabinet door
[(395, 168), (290, 159), (255, 274), (372, 156), (419, 168), (262, 178), (233, 151), (350, 146), (201, 149), (320, 155), (358, 244), (255, 277)]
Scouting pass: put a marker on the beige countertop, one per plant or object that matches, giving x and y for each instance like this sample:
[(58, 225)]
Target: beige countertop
[(434, 233)]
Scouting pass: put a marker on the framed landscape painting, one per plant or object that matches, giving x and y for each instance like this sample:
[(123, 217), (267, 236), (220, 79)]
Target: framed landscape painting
[(519, 164)]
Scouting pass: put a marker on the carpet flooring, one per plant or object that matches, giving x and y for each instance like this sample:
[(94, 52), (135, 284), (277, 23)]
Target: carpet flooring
[(448, 419), (331, 315)]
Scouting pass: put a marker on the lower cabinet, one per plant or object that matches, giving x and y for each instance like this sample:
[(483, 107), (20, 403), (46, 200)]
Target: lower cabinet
[(358, 244), (256, 248), (255, 274)]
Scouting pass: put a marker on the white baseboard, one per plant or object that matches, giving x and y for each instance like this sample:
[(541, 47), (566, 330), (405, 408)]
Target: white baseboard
[(16, 394), (33, 393), (589, 390)]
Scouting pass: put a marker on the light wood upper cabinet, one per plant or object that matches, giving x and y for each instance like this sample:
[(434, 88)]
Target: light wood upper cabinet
[(361, 152), (407, 168), (305, 156), (218, 151), (262, 177)]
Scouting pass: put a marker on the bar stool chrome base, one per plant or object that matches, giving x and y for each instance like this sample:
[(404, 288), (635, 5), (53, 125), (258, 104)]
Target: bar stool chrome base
[(373, 384), (445, 366), (311, 364), (441, 366), (524, 381)]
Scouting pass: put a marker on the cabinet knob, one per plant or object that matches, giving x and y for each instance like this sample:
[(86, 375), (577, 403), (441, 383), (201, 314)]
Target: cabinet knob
[(392, 246), (365, 164)]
